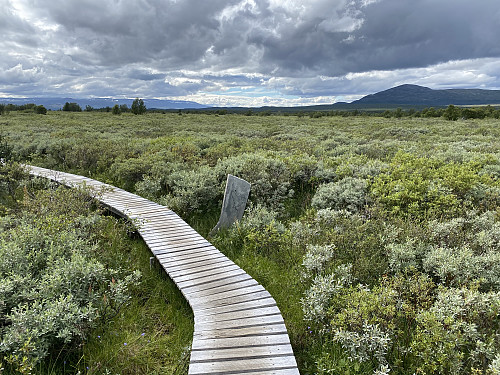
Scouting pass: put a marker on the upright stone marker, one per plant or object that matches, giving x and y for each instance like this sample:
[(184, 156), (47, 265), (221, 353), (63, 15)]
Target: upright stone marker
[(234, 203)]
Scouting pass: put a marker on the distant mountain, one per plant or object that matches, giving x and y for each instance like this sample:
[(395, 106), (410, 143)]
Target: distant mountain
[(423, 96), (57, 103)]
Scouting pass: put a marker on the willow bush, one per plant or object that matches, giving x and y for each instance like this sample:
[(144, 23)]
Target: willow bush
[(378, 237)]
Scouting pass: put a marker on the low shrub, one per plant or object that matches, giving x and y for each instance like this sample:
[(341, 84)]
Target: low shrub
[(53, 285), (350, 193)]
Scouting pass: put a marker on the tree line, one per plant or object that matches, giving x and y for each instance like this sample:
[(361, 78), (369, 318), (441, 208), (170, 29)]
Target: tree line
[(138, 108)]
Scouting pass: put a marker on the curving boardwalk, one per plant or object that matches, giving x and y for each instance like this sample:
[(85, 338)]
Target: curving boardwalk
[(238, 329)]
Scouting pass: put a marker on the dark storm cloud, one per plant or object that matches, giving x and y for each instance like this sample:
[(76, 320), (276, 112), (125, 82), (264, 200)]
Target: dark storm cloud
[(120, 32), (14, 30), (158, 48), (390, 34)]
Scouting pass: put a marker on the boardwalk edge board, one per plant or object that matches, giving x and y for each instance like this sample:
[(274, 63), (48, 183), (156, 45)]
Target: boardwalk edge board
[(238, 328)]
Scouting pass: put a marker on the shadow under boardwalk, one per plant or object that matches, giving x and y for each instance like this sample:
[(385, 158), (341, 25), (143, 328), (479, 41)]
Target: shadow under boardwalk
[(238, 329)]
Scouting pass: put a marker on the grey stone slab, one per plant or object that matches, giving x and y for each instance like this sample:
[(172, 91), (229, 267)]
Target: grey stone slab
[(234, 203)]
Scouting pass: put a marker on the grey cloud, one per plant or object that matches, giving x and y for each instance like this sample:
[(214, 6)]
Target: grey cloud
[(15, 31), (306, 48), (171, 32)]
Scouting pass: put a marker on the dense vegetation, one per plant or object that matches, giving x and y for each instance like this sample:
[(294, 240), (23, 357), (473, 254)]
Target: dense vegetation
[(76, 293), (378, 237)]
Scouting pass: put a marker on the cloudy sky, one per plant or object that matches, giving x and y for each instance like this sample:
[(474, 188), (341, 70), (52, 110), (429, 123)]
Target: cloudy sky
[(245, 52)]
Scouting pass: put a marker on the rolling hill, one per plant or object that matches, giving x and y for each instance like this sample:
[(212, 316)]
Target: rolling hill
[(424, 96)]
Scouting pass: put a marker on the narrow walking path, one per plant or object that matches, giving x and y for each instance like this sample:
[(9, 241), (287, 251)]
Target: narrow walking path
[(238, 329)]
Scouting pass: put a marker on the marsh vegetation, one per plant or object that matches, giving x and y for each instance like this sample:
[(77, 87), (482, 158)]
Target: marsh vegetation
[(378, 237)]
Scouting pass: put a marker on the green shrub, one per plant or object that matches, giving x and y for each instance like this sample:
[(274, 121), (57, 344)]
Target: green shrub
[(349, 193), (193, 190), (53, 285), (420, 186), (5, 149), (457, 334), (270, 177)]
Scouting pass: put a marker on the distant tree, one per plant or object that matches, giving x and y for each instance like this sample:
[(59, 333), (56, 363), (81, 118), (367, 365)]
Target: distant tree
[(89, 108), (398, 113), (108, 108), (2, 109), (124, 108), (138, 107), (452, 113), (116, 110), (72, 107), (41, 110)]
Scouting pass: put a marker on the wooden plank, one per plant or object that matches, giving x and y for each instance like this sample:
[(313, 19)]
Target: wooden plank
[(190, 266), (157, 245), (190, 254), (223, 288), (183, 241), (230, 342), (211, 300), (269, 329), (247, 305), (211, 278), (234, 300), (188, 251), (171, 223), (162, 217), (213, 271), (273, 371), (239, 323), (258, 312), (256, 351), (243, 365), (185, 247), (180, 242), (173, 236), (209, 267), (218, 282), (171, 231)]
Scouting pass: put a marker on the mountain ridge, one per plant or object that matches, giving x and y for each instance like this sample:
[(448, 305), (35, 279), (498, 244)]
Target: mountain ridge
[(409, 94)]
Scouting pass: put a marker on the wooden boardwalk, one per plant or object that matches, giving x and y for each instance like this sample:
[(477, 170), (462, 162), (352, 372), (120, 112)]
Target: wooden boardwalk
[(238, 329)]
